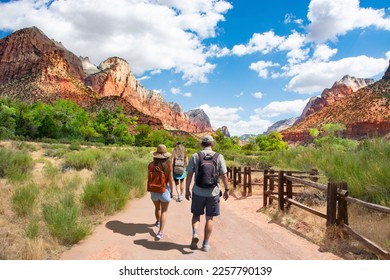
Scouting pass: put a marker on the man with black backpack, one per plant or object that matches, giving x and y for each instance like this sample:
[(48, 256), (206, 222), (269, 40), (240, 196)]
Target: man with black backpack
[(208, 166)]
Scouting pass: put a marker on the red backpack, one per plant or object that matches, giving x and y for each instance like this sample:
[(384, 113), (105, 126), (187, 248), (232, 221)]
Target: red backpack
[(156, 179)]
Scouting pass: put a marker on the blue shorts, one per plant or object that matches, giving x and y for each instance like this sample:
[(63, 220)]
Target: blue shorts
[(163, 197), (199, 203), (177, 178)]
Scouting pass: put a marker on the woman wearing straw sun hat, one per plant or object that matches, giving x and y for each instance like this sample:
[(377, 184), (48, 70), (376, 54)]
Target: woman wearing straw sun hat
[(161, 161)]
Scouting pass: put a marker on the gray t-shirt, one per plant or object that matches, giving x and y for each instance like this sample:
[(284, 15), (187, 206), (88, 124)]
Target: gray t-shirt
[(193, 166)]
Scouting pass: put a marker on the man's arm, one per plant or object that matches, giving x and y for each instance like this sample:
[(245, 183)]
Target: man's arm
[(188, 183), (225, 184)]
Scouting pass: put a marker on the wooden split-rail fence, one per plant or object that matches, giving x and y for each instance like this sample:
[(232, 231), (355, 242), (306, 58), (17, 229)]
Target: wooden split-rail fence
[(283, 187)]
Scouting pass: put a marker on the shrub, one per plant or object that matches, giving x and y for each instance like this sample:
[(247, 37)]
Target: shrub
[(15, 165), (32, 229), (105, 194), (82, 159), (23, 199), (64, 221)]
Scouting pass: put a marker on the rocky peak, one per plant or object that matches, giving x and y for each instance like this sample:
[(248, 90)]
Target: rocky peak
[(34, 67), (224, 130), (387, 73), (281, 125), (199, 117), (28, 50), (88, 66), (354, 83), (340, 89)]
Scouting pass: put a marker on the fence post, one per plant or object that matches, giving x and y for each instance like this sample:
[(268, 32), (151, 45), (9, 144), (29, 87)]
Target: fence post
[(249, 180), (245, 184), (234, 177), (271, 186), (343, 205), (281, 190), (331, 204), (239, 175), (289, 190), (265, 187)]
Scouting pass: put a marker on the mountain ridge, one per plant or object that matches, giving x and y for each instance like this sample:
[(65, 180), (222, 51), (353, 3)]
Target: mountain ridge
[(34, 67), (364, 111)]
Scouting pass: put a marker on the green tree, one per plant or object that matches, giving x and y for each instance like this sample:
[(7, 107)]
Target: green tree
[(72, 119), (113, 126), (314, 132), (271, 142), (143, 131), (7, 121)]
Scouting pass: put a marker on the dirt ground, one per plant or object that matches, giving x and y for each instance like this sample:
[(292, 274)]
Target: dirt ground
[(241, 232)]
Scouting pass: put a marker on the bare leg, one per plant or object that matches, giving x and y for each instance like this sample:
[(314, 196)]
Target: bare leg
[(195, 223), (195, 238), (208, 228), (177, 189), (157, 208), (181, 187), (164, 210)]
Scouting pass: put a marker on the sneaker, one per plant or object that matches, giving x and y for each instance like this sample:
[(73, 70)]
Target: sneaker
[(194, 242), (159, 235), (179, 198), (205, 248), (157, 224)]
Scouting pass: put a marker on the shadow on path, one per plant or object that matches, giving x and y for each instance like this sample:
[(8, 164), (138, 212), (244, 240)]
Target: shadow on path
[(130, 229), (163, 246)]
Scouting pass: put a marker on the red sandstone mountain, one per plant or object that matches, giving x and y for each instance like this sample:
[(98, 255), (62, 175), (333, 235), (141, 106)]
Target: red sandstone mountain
[(33, 67), (365, 112)]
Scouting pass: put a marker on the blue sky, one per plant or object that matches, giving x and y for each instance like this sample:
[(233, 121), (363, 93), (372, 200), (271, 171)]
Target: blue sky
[(247, 63)]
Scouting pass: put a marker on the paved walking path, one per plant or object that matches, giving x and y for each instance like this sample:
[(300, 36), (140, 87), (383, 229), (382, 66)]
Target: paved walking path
[(240, 233)]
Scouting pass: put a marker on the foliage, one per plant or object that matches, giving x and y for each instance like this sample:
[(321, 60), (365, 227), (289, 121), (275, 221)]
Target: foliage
[(82, 159), (105, 194), (15, 165), (365, 168), (24, 198), (271, 142), (7, 121), (64, 221), (113, 126), (117, 179)]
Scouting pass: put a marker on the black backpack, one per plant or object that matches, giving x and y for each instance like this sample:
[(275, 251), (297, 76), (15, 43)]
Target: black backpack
[(207, 176)]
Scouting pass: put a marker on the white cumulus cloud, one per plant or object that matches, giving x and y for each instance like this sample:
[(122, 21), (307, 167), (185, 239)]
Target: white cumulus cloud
[(313, 76), (277, 108), (150, 34), (329, 19)]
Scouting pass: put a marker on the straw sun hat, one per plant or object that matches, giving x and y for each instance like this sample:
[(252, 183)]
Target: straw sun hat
[(161, 152)]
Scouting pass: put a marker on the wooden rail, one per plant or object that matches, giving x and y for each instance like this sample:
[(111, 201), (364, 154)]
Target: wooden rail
[(278, 186)]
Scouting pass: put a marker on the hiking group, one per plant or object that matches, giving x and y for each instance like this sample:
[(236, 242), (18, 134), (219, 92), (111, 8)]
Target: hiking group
[(171, 171)]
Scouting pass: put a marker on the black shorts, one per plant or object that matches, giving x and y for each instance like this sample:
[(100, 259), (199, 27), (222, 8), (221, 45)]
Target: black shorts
[(199, 203), (177, 181)]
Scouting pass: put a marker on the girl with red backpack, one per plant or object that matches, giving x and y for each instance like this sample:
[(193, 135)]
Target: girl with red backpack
[(160, 184)]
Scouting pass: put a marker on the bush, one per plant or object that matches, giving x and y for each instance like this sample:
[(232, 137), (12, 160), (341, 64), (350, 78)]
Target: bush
[(32, 229), (23, 199), (82, 159), (105, 194), (15, 165), (64, 221), (118, 177)]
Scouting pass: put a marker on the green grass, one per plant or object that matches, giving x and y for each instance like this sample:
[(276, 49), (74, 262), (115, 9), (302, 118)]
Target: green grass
[(64, 221), (24, 199), (15, 165), (106, 195), (32, 229), (83, 159), (115, 183), (365, 168)]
